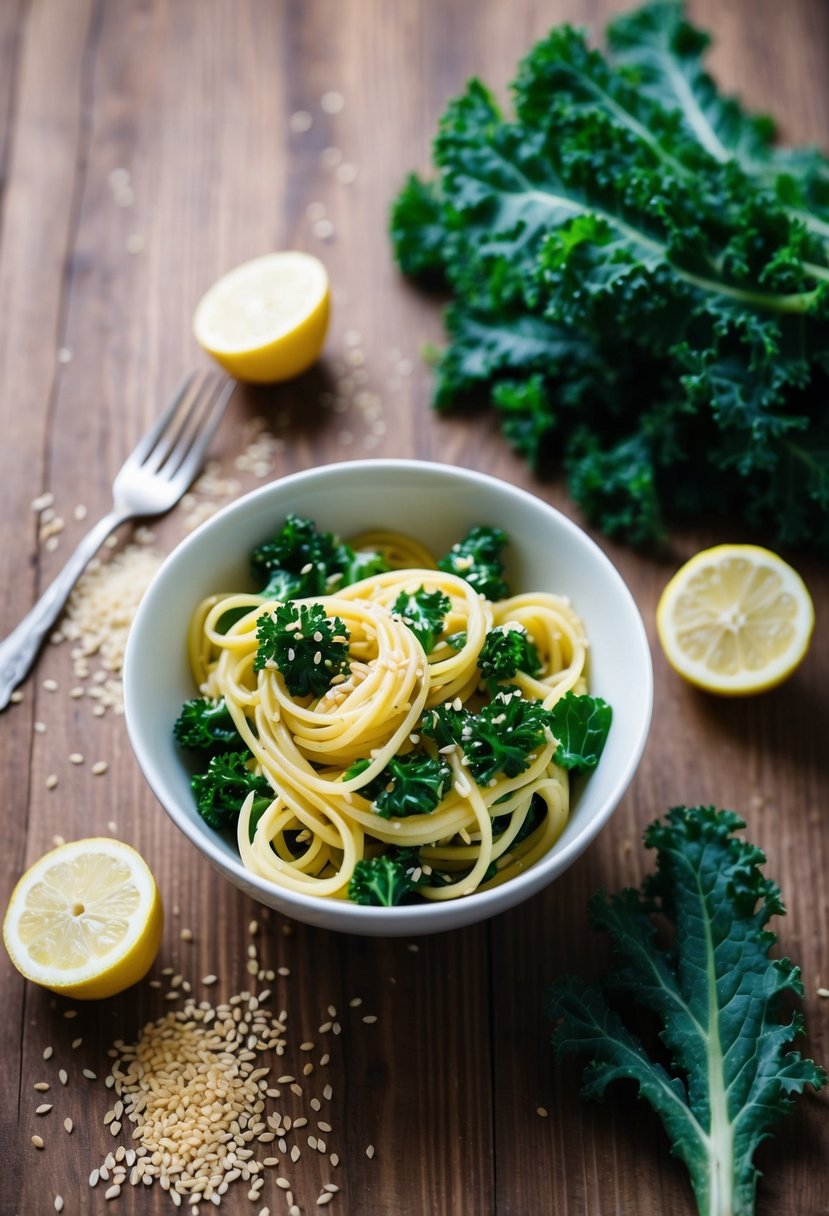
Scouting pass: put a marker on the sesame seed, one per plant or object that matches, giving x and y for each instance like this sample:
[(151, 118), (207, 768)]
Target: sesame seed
[(51, 781), (50, 685), (356, 1002), (542, 1111), (37, 1141), (76, 1043), (63, 1076), (325, 1197), (334, 1159), (43, 1109), (283, 1183), (283, 971), (327, 1093), (300, 122), (16, 697), (58, 1203), (332, 102), (207, 980), (370, 1019), (41, 1086), (68, 1124), (99, 768), (76, 758), (186, 935), (47, 1053), (90, 1075), (370, 1151), (112, 1192), (823, 992)]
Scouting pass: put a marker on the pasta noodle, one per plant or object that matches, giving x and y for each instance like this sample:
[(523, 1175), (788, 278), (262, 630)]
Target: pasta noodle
[(320, 822)]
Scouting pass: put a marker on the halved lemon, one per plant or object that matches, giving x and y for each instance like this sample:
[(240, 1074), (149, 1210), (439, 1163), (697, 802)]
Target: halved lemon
[(266, 320), (86, 919), (735, 619)]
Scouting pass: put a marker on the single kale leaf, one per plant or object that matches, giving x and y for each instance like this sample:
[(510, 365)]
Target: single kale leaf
[(386, 880), (221, 790), (413, 784), (502, 737), (308, 647), (717, 994), (424, 613), (507, 650), (581, 724), (206, 725), (477, 558), (300, 562)]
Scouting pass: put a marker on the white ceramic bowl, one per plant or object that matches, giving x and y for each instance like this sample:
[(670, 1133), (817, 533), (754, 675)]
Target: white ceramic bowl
[(437, 504)]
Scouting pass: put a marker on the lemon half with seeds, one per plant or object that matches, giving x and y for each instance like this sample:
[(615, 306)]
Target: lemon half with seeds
[(266, 320), (86, 919), (735, 619)]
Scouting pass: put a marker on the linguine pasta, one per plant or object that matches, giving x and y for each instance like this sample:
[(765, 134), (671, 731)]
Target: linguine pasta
[(319, 823)]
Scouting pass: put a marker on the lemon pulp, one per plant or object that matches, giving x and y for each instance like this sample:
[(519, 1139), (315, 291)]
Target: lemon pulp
[(86, 919), (735, 619), (266, 320)]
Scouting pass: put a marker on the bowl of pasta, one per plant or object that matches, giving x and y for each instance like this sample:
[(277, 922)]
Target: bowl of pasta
[(387, 696)]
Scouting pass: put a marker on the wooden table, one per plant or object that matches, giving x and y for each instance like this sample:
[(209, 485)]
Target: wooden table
[(144, 148)]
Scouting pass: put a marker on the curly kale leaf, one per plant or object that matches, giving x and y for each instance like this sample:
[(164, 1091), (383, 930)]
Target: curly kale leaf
[(717, 994), (506, 651), (424, 613), (413, 784), (503, 737), (308, 647), (640, 282), (581, 725), (300, 561), (221, 790), (386, 880), (206, 725), (418, 231), (477, 559)]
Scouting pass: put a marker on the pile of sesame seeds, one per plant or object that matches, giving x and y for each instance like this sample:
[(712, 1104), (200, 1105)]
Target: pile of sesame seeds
[(212, 1094), (97, 620)]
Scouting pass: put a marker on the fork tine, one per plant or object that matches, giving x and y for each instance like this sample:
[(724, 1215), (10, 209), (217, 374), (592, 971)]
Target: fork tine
[(146, 444), (198, 429), (180, 421)]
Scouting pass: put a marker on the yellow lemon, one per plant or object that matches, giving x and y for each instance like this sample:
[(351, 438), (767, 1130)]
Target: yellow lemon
[(86, 919), (267, 319), (735, 619)]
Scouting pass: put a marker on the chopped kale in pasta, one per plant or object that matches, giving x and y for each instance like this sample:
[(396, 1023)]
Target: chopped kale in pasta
[(379, 724)]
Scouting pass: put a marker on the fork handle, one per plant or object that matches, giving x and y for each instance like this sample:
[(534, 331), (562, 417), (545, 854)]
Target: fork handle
[(18, 650)]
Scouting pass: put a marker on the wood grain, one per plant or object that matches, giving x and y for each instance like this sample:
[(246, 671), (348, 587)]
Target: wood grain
[(190, 105)]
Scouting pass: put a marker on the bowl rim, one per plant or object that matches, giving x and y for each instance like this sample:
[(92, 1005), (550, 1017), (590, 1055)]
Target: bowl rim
[(357, 917)]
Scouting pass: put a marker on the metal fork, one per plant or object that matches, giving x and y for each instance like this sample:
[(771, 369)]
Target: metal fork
[(151, 480)]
